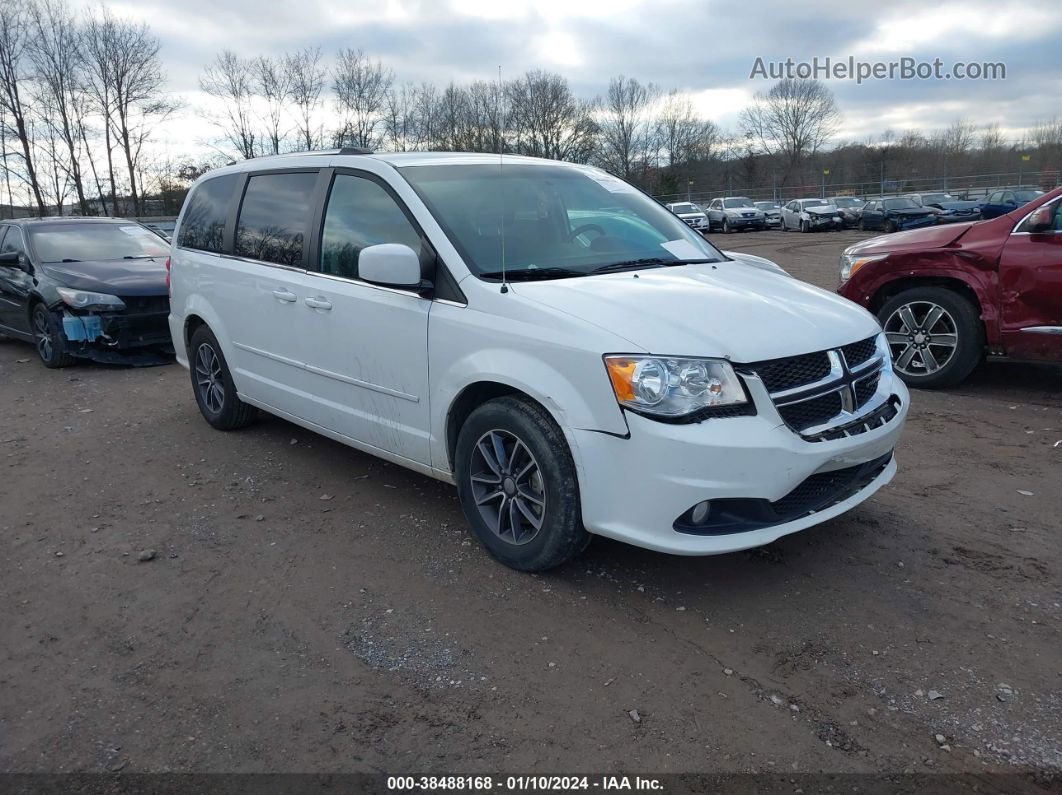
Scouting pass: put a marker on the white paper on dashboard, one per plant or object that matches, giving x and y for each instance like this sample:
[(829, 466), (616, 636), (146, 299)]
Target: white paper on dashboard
[(683, 249)]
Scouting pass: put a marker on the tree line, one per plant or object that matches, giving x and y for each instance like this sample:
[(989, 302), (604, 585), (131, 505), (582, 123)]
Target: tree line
[(82, 93)]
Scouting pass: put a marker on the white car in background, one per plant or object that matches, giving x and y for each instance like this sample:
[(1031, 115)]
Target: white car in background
[(546, 337), (693, 215), (811, 215)]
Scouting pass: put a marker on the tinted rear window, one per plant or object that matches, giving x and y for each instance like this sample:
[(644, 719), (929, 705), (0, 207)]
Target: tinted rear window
[(203, 225), (275, 217)]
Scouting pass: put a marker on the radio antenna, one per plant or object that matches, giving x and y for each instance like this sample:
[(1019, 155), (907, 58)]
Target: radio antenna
[(501, 182)]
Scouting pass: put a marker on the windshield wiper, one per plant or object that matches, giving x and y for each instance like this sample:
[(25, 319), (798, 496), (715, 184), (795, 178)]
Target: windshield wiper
[(647, 262), (67, 259), (533, 274), (140, 256)]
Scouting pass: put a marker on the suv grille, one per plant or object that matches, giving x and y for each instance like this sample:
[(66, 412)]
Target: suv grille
[(818, 391), (780, 374)]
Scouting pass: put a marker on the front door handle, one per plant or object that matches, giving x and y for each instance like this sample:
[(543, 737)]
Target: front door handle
[(286, 296), (318, 303)]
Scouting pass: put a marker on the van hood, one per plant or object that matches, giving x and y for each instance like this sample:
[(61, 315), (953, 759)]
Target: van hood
[(116, 277), (728, 310)]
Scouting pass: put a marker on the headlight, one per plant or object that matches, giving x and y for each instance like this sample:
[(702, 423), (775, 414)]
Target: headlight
[(88, 300), (668, 387), (850, 263)]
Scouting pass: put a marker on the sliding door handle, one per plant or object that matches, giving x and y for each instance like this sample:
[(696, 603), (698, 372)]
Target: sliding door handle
[(318, 303)]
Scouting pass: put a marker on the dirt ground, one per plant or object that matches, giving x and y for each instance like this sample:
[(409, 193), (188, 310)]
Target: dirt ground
[(311, 608)]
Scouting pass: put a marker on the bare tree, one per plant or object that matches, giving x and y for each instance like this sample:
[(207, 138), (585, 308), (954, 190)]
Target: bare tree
[(228, 80), (15, 39), (305, 77), (361, 88), (547, 120), (402, 130), (683, 135), (272, 84), (55, 52), (792, 121), (626, 129)]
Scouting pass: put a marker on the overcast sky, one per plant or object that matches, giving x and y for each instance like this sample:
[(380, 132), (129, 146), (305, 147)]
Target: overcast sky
[(706, 48)]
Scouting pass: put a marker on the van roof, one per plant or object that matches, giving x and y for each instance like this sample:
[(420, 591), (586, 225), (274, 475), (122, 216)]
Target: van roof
[(397, 159)]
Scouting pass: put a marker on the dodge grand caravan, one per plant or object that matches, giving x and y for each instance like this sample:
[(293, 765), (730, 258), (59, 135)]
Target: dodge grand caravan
[(568, 353)]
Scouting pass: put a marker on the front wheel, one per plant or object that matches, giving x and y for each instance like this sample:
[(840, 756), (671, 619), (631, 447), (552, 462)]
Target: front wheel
[(935, 335), (726, 226), (212, 383), (518, 486), (49, 339), (805, 226)]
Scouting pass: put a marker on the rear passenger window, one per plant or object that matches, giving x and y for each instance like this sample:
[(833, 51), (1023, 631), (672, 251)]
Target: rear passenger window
[(360, 213), (274, 217), (203, 224)]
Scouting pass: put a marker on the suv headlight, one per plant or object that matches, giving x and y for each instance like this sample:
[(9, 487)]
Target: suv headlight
[(88, 300), (665, 386), (850, 263)]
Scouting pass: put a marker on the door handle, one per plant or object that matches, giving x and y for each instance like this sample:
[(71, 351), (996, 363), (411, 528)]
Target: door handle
[(286, 296), (318, 303)]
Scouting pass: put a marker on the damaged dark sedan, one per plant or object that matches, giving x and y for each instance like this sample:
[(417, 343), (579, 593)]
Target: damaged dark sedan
[(92, 288)]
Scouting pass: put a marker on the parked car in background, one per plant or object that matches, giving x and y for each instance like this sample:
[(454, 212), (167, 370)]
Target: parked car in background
[(772, 211), (850, 208), (90, 288), (693, 215), (545, 336), (810, 215), (734, 213), (1004, 201), (892, 215), (949, 209), (946, 295)]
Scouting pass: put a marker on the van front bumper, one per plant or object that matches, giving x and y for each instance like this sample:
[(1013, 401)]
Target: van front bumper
[(637, 489)]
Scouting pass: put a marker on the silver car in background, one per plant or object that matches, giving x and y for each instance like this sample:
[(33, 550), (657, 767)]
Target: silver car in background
[(772, 211), (734, 213)]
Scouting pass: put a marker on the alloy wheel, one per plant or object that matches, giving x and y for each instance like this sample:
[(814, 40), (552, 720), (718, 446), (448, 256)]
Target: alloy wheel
[(508, 487), (43, 335), (208, 378), (922, 336)]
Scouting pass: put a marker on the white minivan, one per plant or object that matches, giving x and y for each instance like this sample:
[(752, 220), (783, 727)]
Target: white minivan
[(568, 353)]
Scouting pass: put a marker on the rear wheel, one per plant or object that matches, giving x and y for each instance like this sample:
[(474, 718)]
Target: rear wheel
[(49, 339), (212, 383), (935, 335), (518, 486)]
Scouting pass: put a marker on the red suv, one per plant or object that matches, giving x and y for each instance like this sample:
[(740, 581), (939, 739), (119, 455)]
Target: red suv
[(946, 295)]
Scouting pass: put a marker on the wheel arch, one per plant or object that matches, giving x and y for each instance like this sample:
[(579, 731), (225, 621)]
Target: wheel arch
[(472, 397), (961, 286)]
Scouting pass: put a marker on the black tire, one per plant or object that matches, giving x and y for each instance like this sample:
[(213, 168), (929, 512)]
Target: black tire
[(862, 226), (805, 226), (561, 535), (969, 332), (890, 226), (726, 226), (212, 384), (49, 339)]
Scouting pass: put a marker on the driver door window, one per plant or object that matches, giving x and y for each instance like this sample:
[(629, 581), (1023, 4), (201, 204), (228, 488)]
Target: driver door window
[(360, 213)]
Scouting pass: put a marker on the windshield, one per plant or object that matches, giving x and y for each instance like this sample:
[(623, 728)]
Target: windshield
[(846, 202), (814, 203), (767, 206), (733, 204), (1028, 195), (685, 208), (551, 221), (899, 204), (95, 241)]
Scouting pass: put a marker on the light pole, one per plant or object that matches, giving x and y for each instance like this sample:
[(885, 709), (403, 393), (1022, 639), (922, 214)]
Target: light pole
[(689, 190), (825, 173), (1021, 169)]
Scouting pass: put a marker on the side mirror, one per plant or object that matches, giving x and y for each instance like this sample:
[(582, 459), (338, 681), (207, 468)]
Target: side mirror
[(1043, 220), (10, 259), (391, 265)]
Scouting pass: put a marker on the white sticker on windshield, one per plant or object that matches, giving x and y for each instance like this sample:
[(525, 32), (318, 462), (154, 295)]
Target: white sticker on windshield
[(683, 249), (609, 182), (134, 231)]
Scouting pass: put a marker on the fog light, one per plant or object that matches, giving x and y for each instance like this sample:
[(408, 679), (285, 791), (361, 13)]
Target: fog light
[(700, 512)]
